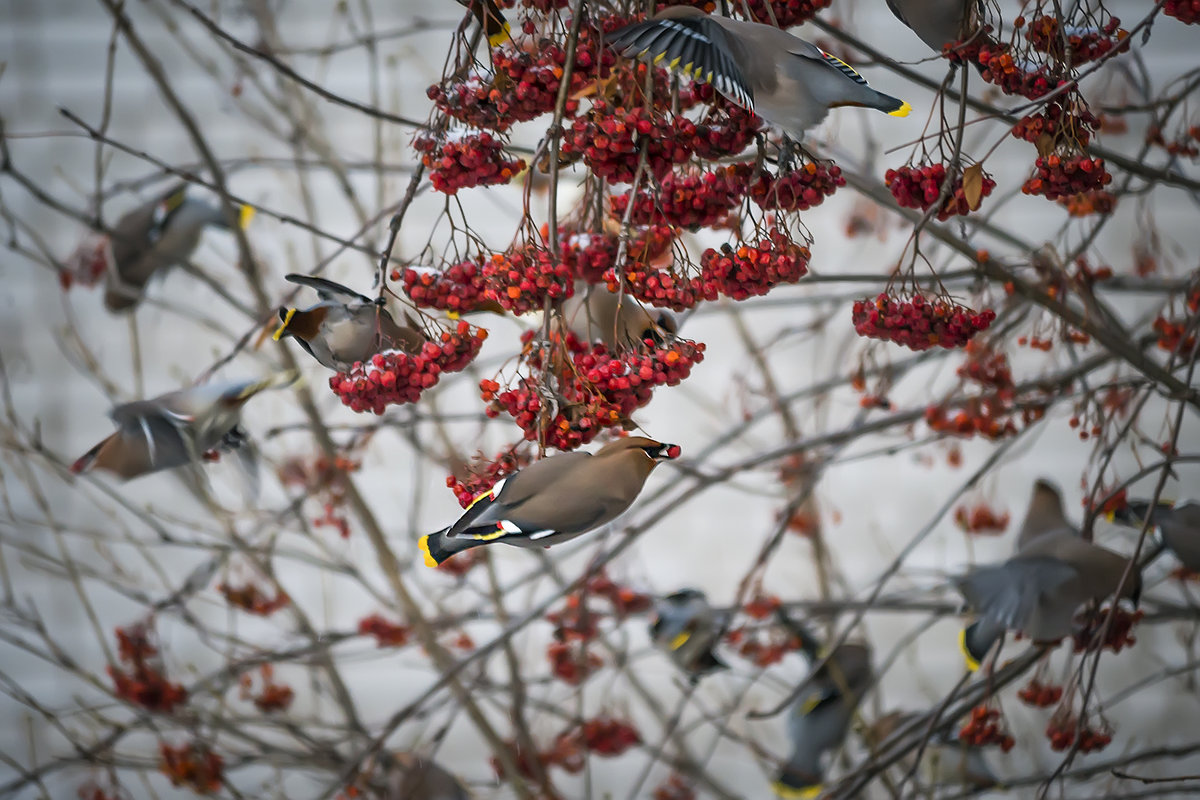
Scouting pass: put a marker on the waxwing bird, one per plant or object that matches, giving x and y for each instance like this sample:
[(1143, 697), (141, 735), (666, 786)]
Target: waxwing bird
[(1039, 589), (617, 321), (415, 778), (939, 22), (344, 327), (155, 236), (787, 81), (490, 19), (820, 719), (947, 760), (554, 499), (176, 428), (688, 628), (1045, 513), (1177, 523)]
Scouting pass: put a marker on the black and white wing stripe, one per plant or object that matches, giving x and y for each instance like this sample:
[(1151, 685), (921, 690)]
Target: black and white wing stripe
[(691, 45), (843, 67), (328, 290)]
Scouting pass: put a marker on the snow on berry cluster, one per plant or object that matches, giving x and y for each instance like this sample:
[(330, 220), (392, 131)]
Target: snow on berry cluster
[(460, 162), (797, 190), (1084, 43), (568, 398), (920, 186), (459, 288), (610, 140), (395, 377), (521, 280), (1058, 176), (692, 199), (917, 323), (591, 255), (1186, 11)]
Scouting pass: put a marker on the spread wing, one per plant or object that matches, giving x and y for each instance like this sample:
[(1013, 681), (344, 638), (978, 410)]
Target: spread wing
[(328, 290), (161, 431), (1010, 592), (518, 505)]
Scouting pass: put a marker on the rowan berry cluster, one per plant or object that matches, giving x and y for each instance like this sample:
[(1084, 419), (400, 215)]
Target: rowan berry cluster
[(1083, 43), (1013, 75), (192, 765), (88, 264), (1186, 11), (481, 477), (394, 378), (1120, 632), (272, 696), (1065, 175), (610, 140), (461, 162), (690, 200), (591, 255), (662, 288), (751, 269), (253, 600), (1062, 121), (1040, 695), (983, 416), (608, 736), (521, 280), (1172, 335), (460, 288), (726, 130), (920, 187), (917, 323), (762, 646), (674, 788), (784, 13), (985, 726), (1066, 729), (571, 662), (796, 190), (385, 632), (1093, 201), (140, 679), (981, 520), (1187, 144)]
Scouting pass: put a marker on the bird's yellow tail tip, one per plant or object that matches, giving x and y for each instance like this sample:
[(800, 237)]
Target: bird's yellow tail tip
[(501, 36), (786, 792), (972, 662), (423, 544), (245, 214), (902, 111)]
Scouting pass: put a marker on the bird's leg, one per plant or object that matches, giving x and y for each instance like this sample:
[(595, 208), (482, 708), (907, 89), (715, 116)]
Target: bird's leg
[(787, 153)]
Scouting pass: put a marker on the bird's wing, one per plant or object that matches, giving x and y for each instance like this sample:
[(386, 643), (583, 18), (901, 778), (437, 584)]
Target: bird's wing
[(811, 51), (1010, 592), (514, 506), (895, 9), (162, 430), (695, 45), (328, 290)]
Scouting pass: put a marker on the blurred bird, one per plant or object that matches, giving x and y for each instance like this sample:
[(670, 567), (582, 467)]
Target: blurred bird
[(617, 321), (156, 236), (553, 500), (1177, 523), (344, 327), (1045, 513), (820, 719), (490, 19), (1039, 589), (939, 22), (787, 81), (416, 778), (688, 628), (947, 761), (176, 428)]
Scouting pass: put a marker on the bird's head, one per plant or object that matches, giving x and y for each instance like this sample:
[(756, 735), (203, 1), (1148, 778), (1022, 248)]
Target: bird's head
[(655, 450), (1135, 512), (300, 324)]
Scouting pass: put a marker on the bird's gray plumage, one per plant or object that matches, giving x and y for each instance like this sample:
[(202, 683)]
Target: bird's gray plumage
[(687, 628), (787, 81), (416, 778), (1178, 524), (553, 500), (619, 322), (345, 327), (947, 760), (152, 238), (1045, 513), (938, 22), (820, 718)]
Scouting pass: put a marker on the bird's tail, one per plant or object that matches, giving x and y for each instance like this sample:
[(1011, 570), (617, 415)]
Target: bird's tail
[(85, 461), (975, 641), (436, 547), (892, 106)]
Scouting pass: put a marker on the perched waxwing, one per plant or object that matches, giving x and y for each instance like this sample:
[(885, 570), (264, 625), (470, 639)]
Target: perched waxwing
[(1045, 513), (154, 237), (1177, 523), (344, 327), (938, 22), (787, 81), (820, 719), (554, 499), (1040, 588), (618, 321), (687, 627), (415, 778), (490, 19), (947, 760), (176, 428)]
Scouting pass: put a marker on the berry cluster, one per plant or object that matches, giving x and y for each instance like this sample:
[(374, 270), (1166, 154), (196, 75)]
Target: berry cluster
[(987, 368), (385, 633), (1061, 121), (192, 765), (799, 189), (591, 255), (320, 478), (460, 289), (1171, 335), (1093, 201), (674, 788), (762, 647), (918, 324), (985, 726), (140, 680), (1084, 44), (1120, 633), (395, 378), (610, 140), (762, 605), (691, 200), (252, 599), (88, 263), (482, 477), (521, 280), (1013, 76), (983, 416), (1186, 11), (981, 520), (784, 13), (1187, 145), (1065, 729), (597, 390), (572, 663), (1040, 695), (920, 186), (460, 162), (726, 131), (752, 269), (272, 697), (662, 288), (606, 736), (1062, 176)]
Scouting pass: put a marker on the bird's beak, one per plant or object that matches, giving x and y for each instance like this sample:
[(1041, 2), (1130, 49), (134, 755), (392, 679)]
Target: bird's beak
[(245, 214), (285, 314)]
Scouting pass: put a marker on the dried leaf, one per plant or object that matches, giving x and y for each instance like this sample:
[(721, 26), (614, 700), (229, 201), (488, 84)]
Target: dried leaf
[(973, 185), (1044, 145)]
